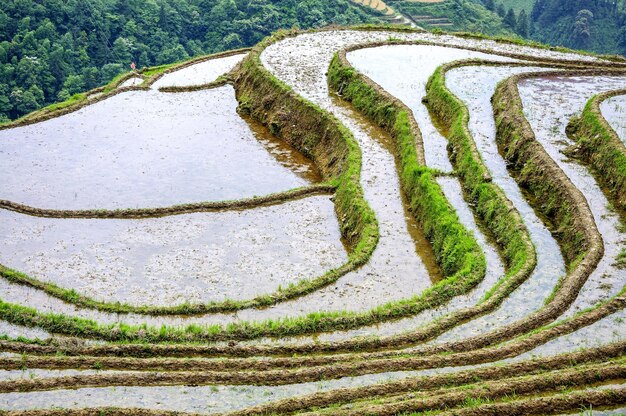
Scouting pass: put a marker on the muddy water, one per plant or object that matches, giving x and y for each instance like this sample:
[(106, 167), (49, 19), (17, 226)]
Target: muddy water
[(200, 73), (495, 271), (531, 295), (15, 331), (605, 331), (145, 149), (614, 110), (205, 399), (549, 103), (403, 71), (194, 258), (131, 82)]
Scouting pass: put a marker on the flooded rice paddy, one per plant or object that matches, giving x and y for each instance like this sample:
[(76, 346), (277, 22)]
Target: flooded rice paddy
[(403, 71), (357, 292), (220, 398), (550, 264), (195, 258), (614, 111), (386, 66), (549, 104), (147, 149), (200, 73)]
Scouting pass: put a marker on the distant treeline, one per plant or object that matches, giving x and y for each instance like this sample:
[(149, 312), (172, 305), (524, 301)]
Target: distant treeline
[(595, 25), (52, 49)]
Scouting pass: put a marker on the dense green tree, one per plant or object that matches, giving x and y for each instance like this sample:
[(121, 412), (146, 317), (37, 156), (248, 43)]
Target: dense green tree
[(91, 77), (5, 103), (522, 24), (74, 84), (595, 25), (501, 10), (582, 28), (510, 20), (110, 71), (28, 100)]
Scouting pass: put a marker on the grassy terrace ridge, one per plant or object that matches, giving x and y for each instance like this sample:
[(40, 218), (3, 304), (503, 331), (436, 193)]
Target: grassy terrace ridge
[(261, 372), (535, 374), (457, 252), (562, 203), (454, 115), (482, 391), (599, 146), (75, 298), (304, 368), (208, 206)]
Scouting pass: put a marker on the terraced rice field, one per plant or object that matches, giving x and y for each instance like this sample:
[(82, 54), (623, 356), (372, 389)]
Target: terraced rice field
[(339, 222), (378, 5)]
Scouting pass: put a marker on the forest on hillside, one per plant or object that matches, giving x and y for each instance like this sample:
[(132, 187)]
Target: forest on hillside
[(595, 25), (52, 49)]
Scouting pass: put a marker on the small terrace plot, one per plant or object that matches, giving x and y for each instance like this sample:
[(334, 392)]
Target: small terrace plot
[(614, 111), (199, 73), (147, 149)]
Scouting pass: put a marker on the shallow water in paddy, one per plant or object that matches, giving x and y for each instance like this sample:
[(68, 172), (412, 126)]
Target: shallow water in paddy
[(146, 149), (195, 258), (222, 398), (212, 399), (205, 399), (200, 73), (454, 193), (131, 82), (15, 331), (549, 104), (476, 95), (403, 71), (387, 66), (608, 330), (614, 111)]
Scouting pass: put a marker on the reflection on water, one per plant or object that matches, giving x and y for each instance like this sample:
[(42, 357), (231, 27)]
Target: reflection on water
[(614, 111), (144, 149), (200, 73), (549, 104)]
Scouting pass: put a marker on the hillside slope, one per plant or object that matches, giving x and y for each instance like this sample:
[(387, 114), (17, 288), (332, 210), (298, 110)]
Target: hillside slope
[(52, 49)]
